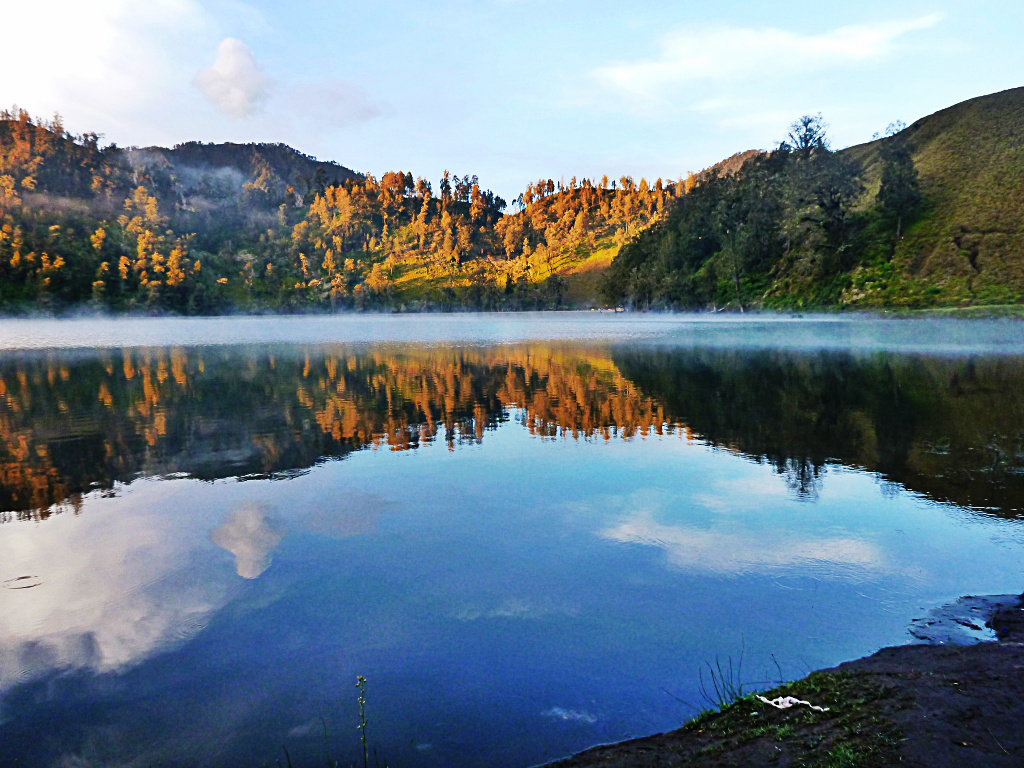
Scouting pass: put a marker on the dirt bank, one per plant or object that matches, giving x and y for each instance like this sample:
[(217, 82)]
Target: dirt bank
[(914, 705)]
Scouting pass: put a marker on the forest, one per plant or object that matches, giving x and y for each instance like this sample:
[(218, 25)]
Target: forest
[(923, 216), (213, 228), (783, 230)]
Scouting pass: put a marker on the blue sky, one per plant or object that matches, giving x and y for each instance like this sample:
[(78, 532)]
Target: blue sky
[(512, 90)]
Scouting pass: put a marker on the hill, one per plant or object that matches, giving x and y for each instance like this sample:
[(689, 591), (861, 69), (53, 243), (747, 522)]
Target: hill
[(932, 215), (211, 227), (967, 244), (271, 168)]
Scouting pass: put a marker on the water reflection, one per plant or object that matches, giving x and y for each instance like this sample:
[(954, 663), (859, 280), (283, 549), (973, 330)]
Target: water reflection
[(950, 428), (109, 593), (249, 536), (732, 548), (522, 547)]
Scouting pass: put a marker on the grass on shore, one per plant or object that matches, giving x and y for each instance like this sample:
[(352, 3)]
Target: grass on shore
[(853, 733), (974, 312)]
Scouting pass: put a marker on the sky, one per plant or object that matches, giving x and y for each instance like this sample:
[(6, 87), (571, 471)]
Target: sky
[(511, 90)]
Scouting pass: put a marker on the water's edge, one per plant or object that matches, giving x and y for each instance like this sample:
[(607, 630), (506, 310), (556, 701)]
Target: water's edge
[(958, 669)]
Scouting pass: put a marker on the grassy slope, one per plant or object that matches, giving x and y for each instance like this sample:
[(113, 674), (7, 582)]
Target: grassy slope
[(583, 278), (415, 282), (966, 245)]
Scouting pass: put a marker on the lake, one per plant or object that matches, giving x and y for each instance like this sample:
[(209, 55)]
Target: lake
[(529, 533)]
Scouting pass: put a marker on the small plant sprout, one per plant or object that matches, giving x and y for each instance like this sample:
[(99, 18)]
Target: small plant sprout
[(361, 685)]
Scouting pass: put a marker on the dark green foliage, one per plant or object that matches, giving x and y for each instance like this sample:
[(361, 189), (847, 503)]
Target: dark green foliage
[(724, 242), (662, 265), (929, 215), (900, 191), (808, 133), (951, 430)]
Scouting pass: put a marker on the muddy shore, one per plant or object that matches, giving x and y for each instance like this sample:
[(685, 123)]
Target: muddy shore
[(932, 705)]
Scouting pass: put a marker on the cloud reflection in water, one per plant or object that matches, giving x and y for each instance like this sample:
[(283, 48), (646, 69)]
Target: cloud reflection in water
[(103, 603), (740, 549), (248, 535)]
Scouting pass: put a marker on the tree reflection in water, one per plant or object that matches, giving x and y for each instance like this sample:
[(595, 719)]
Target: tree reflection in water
[(72, 423)]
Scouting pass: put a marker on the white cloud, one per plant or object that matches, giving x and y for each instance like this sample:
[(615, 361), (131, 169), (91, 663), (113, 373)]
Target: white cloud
[(113, 586), (570, 715), (516, 608), (235, 82), (128, 70), (721, 54), (106, 64), (125, 580)]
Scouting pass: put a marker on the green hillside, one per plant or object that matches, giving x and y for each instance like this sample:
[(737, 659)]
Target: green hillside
[(930, 216), (967, 243)]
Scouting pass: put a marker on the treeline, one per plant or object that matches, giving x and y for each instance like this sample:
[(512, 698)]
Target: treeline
[(783, 230), (73, 229), (210, 228), (558, 224)]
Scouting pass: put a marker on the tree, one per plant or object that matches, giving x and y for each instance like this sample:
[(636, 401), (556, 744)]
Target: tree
[(378, 282), (835, 187), (822, 188), (900, 191), (748, 219), (807, 134), (446, 189)]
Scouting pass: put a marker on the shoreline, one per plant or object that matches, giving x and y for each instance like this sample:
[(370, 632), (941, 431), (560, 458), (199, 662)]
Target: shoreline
[(937, 705), (1004, 311)]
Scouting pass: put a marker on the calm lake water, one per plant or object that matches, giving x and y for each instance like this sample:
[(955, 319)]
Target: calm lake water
[(528, 532)]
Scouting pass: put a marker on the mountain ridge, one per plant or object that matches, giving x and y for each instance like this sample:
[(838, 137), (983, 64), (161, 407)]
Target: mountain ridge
[(208, 227), (970, 240)]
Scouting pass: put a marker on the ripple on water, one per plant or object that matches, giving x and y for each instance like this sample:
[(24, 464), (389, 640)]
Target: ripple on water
[(22, 582)]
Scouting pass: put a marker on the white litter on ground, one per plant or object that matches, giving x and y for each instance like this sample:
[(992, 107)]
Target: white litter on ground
[(785, 702)]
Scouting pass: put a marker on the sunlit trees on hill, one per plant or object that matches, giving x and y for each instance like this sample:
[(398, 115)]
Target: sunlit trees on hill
[(204, 227)]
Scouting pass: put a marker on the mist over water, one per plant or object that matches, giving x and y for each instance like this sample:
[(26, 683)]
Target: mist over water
[(842, 332), (522, 530)]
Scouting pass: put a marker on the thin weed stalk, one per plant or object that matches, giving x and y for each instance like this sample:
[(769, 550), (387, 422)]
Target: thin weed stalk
[(361, 685), (725, 683)]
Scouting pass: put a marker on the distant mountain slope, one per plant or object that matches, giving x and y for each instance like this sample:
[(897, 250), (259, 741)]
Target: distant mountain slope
[(273, 167), (731, 165), (40, 157), (968, 241)]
